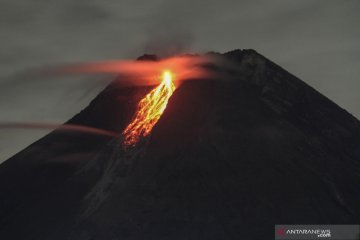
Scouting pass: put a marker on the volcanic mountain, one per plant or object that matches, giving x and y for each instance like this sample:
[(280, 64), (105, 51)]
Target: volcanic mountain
[(229, 158)]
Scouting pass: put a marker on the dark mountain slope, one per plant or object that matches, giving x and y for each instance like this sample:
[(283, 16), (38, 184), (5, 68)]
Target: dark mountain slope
[(229, 158)]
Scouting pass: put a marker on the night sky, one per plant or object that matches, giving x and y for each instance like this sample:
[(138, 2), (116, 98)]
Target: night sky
[(318, 41)]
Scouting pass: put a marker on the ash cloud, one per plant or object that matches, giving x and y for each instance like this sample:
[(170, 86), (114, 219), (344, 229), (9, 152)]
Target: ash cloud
[(168, 34), (165, 44)]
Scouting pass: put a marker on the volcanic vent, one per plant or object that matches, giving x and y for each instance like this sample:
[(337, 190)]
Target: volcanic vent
[(229, 157)]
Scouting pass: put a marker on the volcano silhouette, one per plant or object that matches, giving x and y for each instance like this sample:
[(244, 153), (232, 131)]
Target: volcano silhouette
[(229, 158)]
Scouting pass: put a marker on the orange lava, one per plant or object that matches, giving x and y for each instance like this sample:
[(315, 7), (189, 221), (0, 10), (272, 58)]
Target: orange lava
[(149, 111)]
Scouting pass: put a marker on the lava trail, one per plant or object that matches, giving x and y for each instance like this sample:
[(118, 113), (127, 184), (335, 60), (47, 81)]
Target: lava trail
[(149, 111)]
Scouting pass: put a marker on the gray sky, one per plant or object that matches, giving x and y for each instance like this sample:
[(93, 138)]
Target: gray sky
[(316, 40)]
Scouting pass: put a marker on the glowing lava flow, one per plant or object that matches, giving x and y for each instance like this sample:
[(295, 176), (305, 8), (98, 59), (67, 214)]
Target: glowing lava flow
[(149, 110)]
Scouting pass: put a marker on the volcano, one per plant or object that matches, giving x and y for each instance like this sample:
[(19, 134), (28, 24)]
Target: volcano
[(229, 158)]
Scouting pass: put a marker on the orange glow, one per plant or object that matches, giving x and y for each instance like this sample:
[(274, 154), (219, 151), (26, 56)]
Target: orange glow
[(144, 73), (149, 110)]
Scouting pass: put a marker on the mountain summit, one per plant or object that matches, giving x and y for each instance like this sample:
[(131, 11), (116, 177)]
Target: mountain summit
[(229, 158)]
